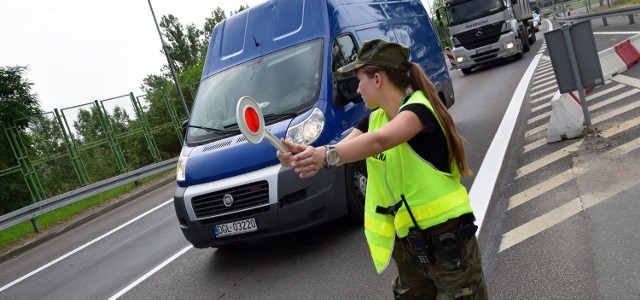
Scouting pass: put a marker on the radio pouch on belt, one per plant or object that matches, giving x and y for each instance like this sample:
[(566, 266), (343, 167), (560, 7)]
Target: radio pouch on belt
[(417, 238)]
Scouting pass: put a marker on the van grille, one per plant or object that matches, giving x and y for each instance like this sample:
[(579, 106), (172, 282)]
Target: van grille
[(490, 34), (245, 196)]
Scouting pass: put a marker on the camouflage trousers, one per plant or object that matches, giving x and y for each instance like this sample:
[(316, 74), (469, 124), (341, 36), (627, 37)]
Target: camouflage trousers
[(442, 279)]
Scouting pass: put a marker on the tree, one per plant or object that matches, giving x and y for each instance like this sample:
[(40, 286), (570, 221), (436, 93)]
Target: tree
[(187, 48), (93, 145), (442, 24), (17, 102)]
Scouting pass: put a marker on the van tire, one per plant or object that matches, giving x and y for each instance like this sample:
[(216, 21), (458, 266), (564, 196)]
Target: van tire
[(466, 70), (356, 184)]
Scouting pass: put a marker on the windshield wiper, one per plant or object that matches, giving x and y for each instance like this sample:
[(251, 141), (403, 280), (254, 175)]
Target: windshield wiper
[(221, 131), (283, 115)]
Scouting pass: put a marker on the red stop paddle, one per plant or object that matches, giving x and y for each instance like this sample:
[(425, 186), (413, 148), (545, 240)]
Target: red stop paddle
[(251, 123)]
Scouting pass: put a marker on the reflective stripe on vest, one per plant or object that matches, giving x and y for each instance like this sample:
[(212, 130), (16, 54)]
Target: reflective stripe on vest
[(433, 196)]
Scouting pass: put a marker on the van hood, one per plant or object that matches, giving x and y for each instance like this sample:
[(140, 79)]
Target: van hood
[(230, 156)]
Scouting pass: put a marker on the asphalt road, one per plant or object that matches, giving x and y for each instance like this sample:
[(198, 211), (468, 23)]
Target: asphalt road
[(137, 252)]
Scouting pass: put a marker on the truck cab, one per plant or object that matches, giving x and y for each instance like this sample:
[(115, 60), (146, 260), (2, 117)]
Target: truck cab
[(284, 54), (485, 31)]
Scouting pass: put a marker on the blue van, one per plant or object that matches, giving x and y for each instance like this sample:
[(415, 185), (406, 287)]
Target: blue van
[(283, 54)]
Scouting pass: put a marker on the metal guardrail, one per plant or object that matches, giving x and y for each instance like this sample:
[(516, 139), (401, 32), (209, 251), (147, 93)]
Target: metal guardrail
[(627, 11), (41, 207)]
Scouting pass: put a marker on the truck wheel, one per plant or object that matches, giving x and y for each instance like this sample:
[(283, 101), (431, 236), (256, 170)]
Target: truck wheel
[(356, 177), (532, 38), (524, 40), (466, 70)]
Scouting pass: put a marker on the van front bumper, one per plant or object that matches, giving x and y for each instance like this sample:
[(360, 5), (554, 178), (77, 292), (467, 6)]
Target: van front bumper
[(275, 197)]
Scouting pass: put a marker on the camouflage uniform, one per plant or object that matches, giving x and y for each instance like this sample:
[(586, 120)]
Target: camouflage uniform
[(442, 279)]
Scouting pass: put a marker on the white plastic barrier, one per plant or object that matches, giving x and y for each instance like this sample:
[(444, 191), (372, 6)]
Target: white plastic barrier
[(611, 63), (566, 120)]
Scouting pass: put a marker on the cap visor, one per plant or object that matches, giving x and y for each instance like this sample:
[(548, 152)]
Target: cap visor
[(350, 67)]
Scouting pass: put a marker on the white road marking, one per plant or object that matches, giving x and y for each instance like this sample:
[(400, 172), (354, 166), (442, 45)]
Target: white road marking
[(485, 181), (543, 187), (534, 145), (575, 206), (539, 224), (627, 80), (620, 128), (541, 84), (546, 97), (535, 130), (547, 159), (153, 271), (615, 112), (544, 90), (545, 79), (83, 246), (617, 32)]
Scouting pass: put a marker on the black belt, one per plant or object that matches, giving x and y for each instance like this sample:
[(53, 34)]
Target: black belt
[(466, 230)]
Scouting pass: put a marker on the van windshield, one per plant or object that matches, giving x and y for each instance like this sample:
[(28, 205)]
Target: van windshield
[(463, 11), (283, 83)]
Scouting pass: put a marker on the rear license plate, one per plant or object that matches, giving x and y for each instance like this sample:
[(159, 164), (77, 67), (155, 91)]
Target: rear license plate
[(237, 227)]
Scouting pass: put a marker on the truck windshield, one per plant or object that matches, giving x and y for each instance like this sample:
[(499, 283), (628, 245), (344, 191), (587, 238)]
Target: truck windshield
[(463, 11), (283, 82)]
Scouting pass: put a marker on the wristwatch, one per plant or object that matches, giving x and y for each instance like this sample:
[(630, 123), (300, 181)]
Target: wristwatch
[(331, 157)]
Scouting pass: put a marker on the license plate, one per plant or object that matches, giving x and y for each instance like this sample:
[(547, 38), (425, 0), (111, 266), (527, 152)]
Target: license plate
[(483, 49), (237, 227)]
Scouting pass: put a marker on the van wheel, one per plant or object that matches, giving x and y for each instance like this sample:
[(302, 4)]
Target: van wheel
[(356, 177), (466, 70)]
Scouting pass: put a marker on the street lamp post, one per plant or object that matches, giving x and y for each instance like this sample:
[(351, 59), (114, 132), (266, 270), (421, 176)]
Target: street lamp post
[(170, 62)]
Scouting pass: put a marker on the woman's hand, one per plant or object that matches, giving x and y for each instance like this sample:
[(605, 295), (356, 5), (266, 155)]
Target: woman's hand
[(286, 158), (306, 163)]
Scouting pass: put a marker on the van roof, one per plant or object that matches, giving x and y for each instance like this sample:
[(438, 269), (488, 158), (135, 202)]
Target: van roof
[(262, 29)]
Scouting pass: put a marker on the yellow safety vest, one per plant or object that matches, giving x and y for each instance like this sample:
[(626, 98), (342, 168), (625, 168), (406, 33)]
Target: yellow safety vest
[(433, 196)]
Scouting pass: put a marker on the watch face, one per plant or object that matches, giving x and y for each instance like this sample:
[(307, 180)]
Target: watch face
[(333, 158)]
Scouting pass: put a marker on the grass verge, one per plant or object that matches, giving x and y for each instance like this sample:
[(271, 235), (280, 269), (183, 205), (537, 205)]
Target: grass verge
[(24, 231)]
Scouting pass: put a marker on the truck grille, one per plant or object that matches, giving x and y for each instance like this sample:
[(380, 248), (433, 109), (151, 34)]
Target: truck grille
[(245, 196), (471, 39)]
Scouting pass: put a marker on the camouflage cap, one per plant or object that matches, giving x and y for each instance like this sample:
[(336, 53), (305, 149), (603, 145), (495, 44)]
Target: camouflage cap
[(379, 53)]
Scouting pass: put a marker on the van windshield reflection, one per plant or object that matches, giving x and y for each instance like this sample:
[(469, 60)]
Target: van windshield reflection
[(281, 82)]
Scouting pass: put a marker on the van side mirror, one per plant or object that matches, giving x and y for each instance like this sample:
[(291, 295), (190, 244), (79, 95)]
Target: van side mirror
[(345, 90), (185, 126)]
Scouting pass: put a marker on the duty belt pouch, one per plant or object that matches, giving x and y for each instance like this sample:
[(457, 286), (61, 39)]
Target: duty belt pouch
[(451, 243), (450, 246)]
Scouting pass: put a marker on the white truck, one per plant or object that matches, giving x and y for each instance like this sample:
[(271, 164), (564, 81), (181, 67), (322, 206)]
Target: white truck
[(483, 31)]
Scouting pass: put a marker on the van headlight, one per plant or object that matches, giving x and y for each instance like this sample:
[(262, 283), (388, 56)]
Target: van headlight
[(181, 171), (308, 130)]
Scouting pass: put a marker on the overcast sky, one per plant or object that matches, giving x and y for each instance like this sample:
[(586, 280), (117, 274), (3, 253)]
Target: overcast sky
[(79, 51)]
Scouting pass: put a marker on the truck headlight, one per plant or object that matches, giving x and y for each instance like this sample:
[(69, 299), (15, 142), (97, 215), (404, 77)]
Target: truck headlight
[(181, 168), (308, 130)]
